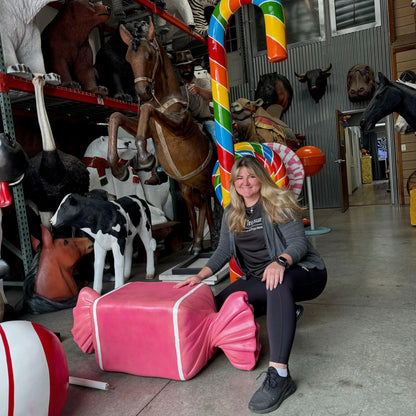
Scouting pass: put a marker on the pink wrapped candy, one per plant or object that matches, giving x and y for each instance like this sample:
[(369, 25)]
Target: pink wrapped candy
[(153, 329)]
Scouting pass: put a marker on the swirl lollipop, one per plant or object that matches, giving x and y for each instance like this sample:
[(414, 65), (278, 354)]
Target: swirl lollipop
[(264, 153)]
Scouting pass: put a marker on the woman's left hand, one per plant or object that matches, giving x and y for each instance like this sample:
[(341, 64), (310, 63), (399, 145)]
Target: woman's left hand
[(273, 275)]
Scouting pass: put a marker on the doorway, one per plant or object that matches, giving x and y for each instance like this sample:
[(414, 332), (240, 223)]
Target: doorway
[(367, 162)]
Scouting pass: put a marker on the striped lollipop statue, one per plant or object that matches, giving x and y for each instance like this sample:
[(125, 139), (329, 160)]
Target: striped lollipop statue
[(276, 51)]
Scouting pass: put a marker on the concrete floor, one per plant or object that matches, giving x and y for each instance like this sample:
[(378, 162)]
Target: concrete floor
[(354, 350)]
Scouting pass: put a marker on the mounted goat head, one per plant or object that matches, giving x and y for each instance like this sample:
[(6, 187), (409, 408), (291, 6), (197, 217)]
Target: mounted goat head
[(317, 80)]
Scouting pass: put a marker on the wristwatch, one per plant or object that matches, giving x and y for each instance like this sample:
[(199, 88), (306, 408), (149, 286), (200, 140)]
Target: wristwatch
[(282, 261)]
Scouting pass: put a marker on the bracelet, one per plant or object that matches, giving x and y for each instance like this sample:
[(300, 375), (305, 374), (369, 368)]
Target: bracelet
[(282, 261)]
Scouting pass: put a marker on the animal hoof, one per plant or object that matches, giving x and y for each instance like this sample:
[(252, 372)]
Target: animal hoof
[(150, 276), (73, 85), (53, 79), (147, 163), (100, 90), (124, 97), (20, 70), (153, 180), (195, 249)]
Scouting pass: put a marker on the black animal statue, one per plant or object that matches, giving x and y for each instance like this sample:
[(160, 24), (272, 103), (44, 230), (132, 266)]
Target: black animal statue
[(316, 80), (13, 164), (51, 174), (114, 71), (390, 97), (274, 88)]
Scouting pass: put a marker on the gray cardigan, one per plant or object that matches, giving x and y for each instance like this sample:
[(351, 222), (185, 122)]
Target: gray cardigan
[(288, 237)]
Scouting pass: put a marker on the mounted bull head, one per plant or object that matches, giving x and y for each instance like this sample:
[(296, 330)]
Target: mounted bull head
[(360, 83), (317, 80)]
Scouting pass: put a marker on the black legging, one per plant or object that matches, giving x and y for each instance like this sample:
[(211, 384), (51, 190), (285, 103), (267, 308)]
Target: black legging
[(298, 285)]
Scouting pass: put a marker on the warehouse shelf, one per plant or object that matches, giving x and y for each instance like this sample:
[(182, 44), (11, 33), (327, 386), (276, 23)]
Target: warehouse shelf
[(62, 102), (153, 8)]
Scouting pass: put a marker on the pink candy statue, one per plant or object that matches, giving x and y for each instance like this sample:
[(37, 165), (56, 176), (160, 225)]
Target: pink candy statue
[(153, 329)]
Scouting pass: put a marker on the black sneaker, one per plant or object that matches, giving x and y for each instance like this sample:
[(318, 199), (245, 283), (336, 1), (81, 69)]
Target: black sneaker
[(272, 393)]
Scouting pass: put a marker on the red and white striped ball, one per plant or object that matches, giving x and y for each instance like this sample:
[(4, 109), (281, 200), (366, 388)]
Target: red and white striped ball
[(33, 371)]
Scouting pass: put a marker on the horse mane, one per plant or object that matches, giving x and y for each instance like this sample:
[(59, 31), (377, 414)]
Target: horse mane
[(405, 87), (138, 34)]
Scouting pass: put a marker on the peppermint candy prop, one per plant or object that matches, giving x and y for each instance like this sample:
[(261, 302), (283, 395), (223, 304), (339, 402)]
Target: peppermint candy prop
[(270, 160), (33, 370), (294, 166)]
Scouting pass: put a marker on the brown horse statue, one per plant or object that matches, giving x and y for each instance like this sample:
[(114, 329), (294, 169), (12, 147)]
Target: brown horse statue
[(182, 149)]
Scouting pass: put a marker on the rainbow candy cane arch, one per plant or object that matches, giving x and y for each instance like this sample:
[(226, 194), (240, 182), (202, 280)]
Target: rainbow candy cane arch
[(276, 51)]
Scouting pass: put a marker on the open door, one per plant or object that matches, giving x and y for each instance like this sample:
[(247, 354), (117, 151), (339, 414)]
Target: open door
[(345, 203)]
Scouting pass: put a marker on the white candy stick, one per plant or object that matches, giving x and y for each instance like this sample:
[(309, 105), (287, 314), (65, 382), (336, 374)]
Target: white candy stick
[(101, 385)]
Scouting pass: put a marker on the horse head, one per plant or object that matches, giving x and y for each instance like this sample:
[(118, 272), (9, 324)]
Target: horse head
[(148, 61), (385, 100)]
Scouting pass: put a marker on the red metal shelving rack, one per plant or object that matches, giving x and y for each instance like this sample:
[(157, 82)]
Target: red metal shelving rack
[(152, 8), (62, 102)]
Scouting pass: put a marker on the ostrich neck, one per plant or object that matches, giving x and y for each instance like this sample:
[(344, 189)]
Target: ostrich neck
[(48, 143)]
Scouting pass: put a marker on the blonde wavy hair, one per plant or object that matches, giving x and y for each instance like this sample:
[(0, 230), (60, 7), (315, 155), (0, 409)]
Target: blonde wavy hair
[(280, 205)]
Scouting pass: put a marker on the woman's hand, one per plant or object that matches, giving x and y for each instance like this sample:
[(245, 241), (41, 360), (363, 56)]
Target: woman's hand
[(273, 275), (190, 281)]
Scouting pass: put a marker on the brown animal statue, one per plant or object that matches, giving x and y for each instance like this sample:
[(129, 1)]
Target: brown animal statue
[(58, 257), (243, 111), (360, 83), (49, 285), (255, 124), (65, 46), (182, 149)]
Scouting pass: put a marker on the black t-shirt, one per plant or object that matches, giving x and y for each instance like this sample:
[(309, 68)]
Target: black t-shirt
[(251, 246)]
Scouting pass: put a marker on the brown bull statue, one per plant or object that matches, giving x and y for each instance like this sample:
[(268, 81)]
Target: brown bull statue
[(182, 149)]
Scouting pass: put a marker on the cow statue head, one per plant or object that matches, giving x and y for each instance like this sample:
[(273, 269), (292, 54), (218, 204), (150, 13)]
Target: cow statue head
[(360, 83), (317, 80)]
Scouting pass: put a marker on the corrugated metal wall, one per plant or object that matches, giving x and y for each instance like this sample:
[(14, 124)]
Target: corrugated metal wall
[(317, 120)]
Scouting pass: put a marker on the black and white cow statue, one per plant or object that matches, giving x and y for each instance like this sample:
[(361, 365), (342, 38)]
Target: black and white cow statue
[(316, 80), (113, 225)]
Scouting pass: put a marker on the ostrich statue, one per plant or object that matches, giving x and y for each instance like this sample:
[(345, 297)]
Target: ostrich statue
[(51, 174)]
